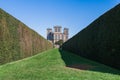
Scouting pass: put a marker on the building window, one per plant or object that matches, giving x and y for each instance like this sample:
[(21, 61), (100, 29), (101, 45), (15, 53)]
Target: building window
[(55, 29), (58, 29), (58, 37), (55, 37)]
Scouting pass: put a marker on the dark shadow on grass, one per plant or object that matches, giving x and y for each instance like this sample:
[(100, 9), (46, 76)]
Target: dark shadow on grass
[(73, 61)]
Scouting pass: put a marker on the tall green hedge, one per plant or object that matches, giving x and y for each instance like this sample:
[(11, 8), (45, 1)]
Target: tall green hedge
[(100, 41), (17, 41)]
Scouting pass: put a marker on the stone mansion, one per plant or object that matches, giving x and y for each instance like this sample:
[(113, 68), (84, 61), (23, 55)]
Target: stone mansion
[(57, 34)]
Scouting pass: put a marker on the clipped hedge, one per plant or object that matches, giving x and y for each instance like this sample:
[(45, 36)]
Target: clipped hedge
[(100, 41), (17, 41)]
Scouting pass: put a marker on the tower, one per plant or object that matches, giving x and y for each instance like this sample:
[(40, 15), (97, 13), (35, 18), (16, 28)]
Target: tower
[(65, 34), (57, 33), (57, 29), (49, 34)]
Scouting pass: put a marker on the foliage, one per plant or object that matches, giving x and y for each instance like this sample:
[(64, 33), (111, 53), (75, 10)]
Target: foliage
[(100, 41), (49, 65), (60, 42), (17, 41)]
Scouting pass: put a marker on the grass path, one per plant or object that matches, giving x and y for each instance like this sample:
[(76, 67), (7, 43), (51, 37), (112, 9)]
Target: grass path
[(51, 65)]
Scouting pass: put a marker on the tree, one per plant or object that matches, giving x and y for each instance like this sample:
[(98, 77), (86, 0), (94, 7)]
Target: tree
[(60, 42)]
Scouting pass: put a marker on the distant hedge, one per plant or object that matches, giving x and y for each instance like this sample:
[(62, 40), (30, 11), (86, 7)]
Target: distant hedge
[(17, 41), (100, 41)]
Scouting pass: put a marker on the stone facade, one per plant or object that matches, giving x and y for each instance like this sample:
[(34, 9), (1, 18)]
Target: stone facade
[(56, 35)]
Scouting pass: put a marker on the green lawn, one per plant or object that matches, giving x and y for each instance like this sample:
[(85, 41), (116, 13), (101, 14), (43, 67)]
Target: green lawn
[(51, 65)]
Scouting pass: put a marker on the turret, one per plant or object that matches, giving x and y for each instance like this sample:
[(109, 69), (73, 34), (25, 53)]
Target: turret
[(49, 34), (57, 29), (65, 34)]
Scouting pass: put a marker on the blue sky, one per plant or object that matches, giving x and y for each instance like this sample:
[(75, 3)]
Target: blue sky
[(42, 14)]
